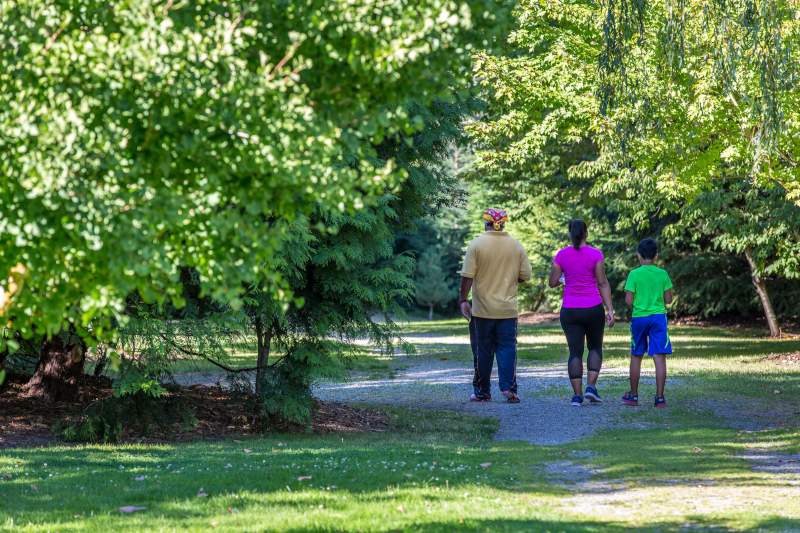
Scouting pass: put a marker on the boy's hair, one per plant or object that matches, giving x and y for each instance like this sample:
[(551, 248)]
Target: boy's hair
[(648, 248)]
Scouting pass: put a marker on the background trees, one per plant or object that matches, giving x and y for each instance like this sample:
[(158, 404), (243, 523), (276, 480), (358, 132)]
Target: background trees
[(675, 121)]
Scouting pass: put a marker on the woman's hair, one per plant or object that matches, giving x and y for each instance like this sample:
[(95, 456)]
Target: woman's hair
[(577, 232)]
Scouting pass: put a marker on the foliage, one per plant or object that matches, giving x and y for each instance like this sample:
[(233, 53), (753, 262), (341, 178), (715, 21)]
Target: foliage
[(434, 286), (741, 55), (671, 158), (141, 138), (109, 419)]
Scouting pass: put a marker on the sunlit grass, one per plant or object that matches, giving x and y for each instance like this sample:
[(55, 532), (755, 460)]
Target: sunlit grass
[(683, 468)]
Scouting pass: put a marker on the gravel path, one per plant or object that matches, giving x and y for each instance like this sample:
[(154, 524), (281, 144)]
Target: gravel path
[(544, 416)]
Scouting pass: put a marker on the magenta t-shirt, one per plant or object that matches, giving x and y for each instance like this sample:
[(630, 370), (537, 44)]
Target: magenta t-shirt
[(580, 283)]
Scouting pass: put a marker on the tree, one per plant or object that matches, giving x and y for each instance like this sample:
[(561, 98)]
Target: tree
[(433, 285), (142, 138)]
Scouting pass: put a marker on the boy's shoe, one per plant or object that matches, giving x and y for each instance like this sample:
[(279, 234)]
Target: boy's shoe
[(660, 402), (511, 397), (592, 395), (630, 399), (480, 397), (577, 400)]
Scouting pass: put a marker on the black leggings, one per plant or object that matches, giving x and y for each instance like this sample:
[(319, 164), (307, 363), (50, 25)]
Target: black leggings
[(583, 323)]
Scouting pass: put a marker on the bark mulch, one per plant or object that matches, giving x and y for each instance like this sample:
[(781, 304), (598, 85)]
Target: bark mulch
[(216, 413), (785, 358)]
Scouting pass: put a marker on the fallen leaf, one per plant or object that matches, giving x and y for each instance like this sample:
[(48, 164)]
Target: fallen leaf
[(201, 493), (401, 508), (486, 465), (34, 488), (140, 478), (303, 478), (131, 509), (697, 450), (248, 450)]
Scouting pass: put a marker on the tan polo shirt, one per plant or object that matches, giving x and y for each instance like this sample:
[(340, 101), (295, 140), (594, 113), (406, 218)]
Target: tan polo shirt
[(495, 261)]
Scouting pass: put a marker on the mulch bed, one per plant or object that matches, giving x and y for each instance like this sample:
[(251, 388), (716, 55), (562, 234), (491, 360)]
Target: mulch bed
[(26, 422), (785, 358), (537, 318)]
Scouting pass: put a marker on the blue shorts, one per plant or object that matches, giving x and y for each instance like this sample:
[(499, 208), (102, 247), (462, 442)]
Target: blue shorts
[(649, 334)]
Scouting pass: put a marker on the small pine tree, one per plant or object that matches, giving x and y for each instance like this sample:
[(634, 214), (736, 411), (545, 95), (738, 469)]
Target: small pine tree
[(432, 284)]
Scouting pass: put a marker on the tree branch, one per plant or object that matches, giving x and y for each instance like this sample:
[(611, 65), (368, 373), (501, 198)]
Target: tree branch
[(187, 351)]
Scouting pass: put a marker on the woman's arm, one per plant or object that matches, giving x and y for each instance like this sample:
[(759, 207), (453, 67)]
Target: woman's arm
[(605, 291), (555, 276)]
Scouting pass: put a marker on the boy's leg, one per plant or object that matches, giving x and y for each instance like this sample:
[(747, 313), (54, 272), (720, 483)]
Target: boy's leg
[(661, 373), (484, 354), (635, 371), (640, 328), (660, 347), (507, 354)]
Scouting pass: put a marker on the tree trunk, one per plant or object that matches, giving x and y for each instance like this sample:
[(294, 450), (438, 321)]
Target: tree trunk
[(59, 369), (264, 340), (101, 364), (430, 312), (763, 295)]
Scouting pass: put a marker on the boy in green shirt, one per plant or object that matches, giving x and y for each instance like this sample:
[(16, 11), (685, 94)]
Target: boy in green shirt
[(648, 289)]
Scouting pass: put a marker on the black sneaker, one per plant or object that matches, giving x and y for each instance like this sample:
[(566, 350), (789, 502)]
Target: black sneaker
[(477, 397), (577, 400), (660, 402)]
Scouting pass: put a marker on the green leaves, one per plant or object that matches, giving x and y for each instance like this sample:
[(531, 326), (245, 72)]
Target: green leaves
[(142, 137)]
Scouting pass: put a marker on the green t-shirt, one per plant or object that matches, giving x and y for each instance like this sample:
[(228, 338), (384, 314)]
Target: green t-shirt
[(648, 283)]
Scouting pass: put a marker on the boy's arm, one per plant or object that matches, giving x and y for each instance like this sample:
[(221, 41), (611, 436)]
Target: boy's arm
[(629, 298), (668, 291)]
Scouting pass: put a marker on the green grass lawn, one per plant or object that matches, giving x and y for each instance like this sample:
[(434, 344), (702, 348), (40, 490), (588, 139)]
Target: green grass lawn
[(439, 471)]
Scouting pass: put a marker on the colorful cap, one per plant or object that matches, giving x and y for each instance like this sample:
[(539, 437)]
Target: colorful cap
[(497, 217)]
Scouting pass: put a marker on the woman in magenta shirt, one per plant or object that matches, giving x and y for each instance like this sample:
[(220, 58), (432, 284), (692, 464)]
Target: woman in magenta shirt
[(586, 291)]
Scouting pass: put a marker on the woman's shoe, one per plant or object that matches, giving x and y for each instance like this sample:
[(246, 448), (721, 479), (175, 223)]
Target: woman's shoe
[(577, 400)]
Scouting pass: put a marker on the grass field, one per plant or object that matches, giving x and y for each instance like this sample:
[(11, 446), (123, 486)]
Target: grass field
[(436, 471)]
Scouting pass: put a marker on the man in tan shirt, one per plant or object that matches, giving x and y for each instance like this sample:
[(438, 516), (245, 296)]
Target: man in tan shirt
[(495, 263)]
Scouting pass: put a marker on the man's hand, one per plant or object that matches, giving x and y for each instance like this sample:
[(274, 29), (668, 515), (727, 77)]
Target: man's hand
[(466, 310), (610, 318)]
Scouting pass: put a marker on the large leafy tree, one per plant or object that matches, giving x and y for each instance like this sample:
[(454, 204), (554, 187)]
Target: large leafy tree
[(142, 137)]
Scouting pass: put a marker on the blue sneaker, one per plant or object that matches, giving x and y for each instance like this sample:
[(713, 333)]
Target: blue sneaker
[(630, 399), (660, 402), (592, 395), (577, 400)]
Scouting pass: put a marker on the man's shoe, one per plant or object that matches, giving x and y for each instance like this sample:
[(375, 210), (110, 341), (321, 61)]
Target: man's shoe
[(660, 402), (592, 395), (630, 399), (577, 400), (511, 397), (480, 397)]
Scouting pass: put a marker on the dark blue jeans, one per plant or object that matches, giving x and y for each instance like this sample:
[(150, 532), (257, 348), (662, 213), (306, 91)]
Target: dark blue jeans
[(490, 338)]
